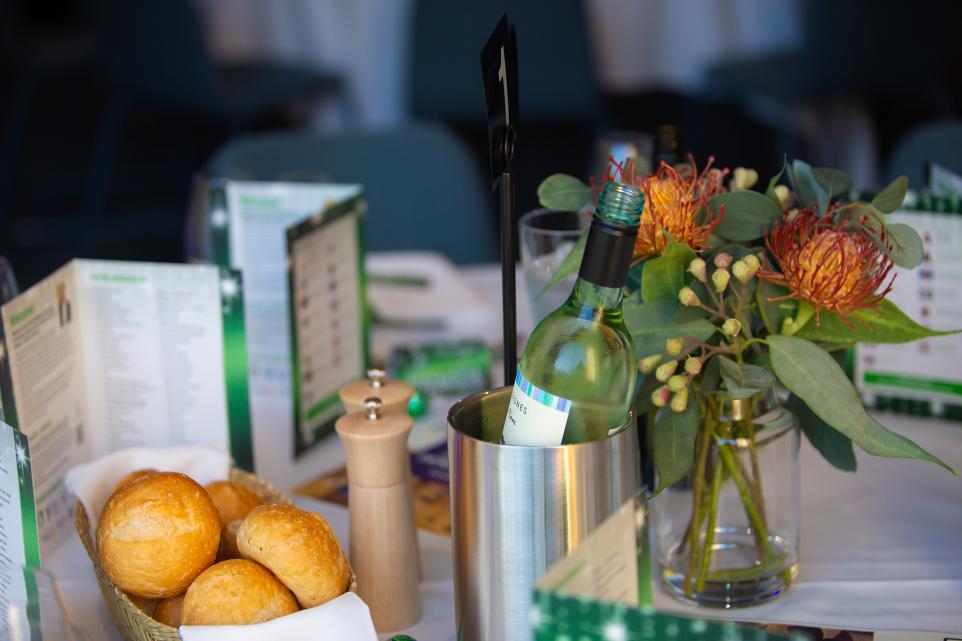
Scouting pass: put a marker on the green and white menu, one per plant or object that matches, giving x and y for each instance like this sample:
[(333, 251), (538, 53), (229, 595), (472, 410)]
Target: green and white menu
[(106, 355), (247, 229), (19, 544), (922, 377), (328, 330)]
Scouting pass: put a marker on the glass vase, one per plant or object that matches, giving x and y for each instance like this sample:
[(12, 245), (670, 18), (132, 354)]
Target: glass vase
[(727, 534)]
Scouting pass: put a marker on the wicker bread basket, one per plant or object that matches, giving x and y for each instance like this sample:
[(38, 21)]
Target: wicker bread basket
[(133, 623)]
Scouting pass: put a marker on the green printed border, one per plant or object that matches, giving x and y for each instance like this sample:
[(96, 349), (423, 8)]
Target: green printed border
[(557, 617), (237, 390), (30, 530), (218, 234), (352, 206)]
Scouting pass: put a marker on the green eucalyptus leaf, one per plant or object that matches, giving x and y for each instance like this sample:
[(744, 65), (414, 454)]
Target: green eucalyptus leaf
[(674, 444), (747, 214), (835, 447), (815, 377), (807, 189), (770, 192), (570, 264), (773, 312), (664, 276), (905, 245), (892, 196), (833, 181), (561, 191), (743, 380), (710, 375), (653, 322), (885, 323)]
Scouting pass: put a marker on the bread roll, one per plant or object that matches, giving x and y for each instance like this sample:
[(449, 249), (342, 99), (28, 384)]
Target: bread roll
[(157, 534), (236, 592), (232, 500), (168, 611), (136, 475), (228, 542), (299, 548)]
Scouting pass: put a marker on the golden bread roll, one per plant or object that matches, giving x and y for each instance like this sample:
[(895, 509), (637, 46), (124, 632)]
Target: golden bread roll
[(299, 548), (232, 500), (168, 611), (136, 475), (145, 604), (157, 534), (228, 542), (236, 592)]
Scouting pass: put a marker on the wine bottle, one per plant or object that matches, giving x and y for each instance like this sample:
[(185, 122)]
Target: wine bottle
[(669, 147), (577, 376)]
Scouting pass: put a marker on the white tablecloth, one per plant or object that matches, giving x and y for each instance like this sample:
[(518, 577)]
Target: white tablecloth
[(880, 549)]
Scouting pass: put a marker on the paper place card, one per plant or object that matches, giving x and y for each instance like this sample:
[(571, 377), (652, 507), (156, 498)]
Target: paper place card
[(248, 223), (106, 355)]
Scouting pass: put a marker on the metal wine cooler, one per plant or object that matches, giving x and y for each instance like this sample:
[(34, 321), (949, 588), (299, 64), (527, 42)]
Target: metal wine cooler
[(515, 510)]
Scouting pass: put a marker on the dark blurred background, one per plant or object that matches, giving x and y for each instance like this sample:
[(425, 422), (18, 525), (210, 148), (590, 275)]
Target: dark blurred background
[(110, 108)]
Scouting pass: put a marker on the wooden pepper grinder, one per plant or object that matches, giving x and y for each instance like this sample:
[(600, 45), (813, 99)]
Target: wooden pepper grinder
[(394, 395), (383, 537)]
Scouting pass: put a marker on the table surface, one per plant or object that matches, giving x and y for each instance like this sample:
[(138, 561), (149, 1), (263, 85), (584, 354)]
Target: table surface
[(879, 550)]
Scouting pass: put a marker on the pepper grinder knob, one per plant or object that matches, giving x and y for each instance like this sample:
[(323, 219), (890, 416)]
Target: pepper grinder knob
[(376, 377), (373, 407)]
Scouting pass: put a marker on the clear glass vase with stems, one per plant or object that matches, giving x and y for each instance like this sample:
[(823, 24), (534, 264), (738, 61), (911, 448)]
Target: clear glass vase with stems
[(727, 534)]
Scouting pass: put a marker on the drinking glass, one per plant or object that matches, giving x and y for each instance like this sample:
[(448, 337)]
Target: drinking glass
[(636, 146), (547, 236)]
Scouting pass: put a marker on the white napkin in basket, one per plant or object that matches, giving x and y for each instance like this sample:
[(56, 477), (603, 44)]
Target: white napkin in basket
[(346, 618)]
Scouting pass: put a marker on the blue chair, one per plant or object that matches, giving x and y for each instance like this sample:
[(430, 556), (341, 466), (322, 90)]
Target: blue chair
[(939, 142), (423, 188)]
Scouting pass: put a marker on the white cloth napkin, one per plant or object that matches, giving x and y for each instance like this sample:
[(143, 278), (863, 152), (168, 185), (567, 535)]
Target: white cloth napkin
[(93, 482), (346, 617)]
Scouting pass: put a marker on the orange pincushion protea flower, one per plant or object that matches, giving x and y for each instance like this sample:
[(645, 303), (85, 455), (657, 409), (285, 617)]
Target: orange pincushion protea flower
[(675, 202), (834, 265)]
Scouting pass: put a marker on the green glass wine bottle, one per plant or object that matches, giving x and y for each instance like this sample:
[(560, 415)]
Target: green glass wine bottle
[(577, 376)]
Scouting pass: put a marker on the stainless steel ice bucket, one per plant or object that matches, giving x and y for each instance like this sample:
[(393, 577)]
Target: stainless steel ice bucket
[(516, 510)]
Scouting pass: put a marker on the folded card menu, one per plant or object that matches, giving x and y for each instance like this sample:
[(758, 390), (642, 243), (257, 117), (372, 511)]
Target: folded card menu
[(105, 355), (306, 236)]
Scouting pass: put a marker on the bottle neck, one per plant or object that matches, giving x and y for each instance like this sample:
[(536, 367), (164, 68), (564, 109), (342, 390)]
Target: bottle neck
[(604, 267), (596, 297)]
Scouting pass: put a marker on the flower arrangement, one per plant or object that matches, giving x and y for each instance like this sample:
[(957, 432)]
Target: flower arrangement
[(737, 296)]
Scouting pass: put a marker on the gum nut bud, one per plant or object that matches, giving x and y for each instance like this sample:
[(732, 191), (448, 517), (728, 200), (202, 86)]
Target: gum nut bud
[(697, 269), (680, 400), (720, 278), (783, 193), (753, 263), (648, 363), (742, 271), (659, 398), (744, 178), (665, 370), (687, 296), (693, 365), (731, 327), (677, 382), (723, 259), (673, 346)]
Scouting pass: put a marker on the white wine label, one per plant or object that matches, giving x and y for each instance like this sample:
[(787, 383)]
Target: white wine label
[(535, 417)]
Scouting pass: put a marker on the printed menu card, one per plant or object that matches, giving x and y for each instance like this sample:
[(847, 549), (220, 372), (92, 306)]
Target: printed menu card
[(106, 355)]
